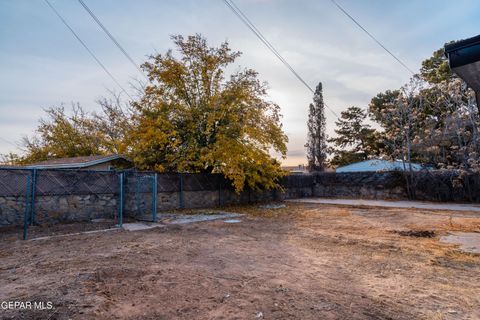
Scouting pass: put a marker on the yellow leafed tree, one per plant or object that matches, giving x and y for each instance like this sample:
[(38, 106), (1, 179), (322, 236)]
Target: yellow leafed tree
[(192, 117)]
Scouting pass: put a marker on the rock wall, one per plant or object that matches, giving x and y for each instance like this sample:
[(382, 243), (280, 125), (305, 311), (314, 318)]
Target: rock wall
[(12, 210), (365, 185), (431, 186), (59, 208), (440, 185)]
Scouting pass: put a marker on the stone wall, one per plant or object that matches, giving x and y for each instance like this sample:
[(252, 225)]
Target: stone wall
[(431, 186), (63, 208), (440, 185), (59, 208), (12, 210), (362, 185)]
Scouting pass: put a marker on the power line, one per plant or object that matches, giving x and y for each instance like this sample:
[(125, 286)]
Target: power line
[(264, 40), (86, 48), (125, 53), (8, 141), (371, 36)]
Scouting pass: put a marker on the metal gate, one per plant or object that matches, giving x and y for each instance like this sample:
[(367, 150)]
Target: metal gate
[(141, 196)]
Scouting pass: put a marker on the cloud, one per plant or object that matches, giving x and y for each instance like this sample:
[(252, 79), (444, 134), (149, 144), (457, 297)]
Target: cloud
[(43, 65)]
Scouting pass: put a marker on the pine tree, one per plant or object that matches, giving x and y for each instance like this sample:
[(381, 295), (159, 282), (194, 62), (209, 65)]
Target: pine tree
[(316, 144), (355, 141)]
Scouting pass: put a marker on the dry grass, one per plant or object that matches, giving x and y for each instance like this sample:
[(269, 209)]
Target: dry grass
[(299, 262)]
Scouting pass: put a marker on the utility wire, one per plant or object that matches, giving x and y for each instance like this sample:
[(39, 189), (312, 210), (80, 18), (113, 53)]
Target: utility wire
[(264, 40), (86, 47), (119, 46), (371, 36), (8, 141)]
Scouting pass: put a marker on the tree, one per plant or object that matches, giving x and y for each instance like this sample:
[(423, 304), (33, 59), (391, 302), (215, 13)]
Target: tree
[(355, 141), (10, 159), (432, 120), (316, 144), (436, 69), (63, 134), (192, 119), (114, 123)]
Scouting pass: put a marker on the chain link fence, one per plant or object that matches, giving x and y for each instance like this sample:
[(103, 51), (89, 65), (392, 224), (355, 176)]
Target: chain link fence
[(41, 200)]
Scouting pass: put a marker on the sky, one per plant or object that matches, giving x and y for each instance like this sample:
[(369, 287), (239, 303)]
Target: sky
[(43, 65)]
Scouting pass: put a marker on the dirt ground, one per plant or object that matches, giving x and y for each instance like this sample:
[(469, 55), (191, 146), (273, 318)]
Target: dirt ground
[(305, 261)]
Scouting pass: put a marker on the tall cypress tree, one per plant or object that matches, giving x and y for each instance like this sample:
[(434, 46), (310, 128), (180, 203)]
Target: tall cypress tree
[(316, 144)]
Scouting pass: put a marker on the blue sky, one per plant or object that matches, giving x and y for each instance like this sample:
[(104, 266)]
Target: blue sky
[(42, 65)]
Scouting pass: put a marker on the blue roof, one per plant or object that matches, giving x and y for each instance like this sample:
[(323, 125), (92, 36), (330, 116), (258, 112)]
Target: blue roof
[(376, 165)]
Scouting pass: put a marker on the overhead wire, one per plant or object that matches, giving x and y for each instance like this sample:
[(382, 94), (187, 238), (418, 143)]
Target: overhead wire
[(87, 48), (8, 141), (371, 36), (264, 40), (109, 34)]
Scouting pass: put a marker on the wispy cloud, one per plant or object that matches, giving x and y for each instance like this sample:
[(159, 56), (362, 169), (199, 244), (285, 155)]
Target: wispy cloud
[(42, 65)]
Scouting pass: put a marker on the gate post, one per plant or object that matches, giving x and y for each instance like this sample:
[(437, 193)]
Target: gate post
[(154, 197)]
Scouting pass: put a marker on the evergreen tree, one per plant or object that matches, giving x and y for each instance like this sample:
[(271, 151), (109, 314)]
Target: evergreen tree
[(317, 141), (355, 141)]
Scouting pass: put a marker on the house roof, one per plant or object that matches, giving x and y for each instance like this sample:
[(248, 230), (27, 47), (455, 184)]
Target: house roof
[(294, 168), (464, 60), (376, 165), (75, 162)]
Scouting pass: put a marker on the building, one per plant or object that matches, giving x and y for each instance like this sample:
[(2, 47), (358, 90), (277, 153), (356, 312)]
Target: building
[(104, 162), (380, 165), (464, 60), (300, 169)]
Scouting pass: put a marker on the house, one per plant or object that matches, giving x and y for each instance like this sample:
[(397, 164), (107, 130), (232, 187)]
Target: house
[(380, 165), (300, 169), (464, 60), (103, 162)]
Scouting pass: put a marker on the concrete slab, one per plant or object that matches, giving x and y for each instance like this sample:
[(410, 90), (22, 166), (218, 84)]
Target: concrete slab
[(392, 204), (467, 241), (185, 218), (136, 226), (232, 221)]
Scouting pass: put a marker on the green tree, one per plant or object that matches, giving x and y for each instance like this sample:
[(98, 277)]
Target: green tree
[(433, 119), (192, 118), (436, 69), (355, 141), (62, 134), (317, 140)]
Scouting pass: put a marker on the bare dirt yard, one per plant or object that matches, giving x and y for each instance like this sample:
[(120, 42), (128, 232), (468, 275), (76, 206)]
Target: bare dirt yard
[(305, 261)]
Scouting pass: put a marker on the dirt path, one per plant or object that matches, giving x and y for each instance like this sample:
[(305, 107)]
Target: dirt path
[(305, 261)]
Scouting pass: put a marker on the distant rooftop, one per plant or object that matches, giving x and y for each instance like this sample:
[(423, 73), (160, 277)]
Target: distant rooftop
[(379, 165), (75, 162)]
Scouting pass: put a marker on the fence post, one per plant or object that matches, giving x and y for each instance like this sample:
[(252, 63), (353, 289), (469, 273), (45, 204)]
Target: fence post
[(181, 198), (27, 212), (154, 197), (121, 199), (33, 218)]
